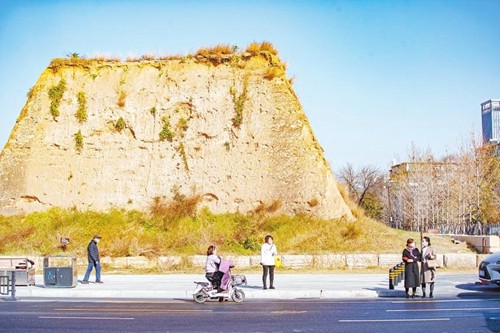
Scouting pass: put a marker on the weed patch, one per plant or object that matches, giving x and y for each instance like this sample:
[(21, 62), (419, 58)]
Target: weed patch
[(78, 141), (239, 103), (56, 94), (120, 125), (81, 112), (166, 132)]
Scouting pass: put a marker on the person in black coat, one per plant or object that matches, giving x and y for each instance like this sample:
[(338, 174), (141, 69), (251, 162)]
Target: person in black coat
[(411, 257), (94, 260)]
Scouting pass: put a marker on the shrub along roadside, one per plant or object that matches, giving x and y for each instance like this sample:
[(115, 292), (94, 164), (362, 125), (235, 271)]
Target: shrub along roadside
[(135, 233)]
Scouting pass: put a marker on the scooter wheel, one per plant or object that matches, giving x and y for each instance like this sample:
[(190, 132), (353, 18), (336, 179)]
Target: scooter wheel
[(200, 298), (238, 295)]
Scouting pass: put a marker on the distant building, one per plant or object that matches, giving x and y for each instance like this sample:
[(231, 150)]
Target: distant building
[(490, 115)]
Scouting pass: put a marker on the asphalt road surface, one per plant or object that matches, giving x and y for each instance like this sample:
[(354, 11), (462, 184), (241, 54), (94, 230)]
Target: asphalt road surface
[(306, 315)]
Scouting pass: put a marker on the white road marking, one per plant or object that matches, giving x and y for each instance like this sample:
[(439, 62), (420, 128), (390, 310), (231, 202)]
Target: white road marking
[(86, 318), (445, 301), (128, 310), (431, 310), (390, 320)]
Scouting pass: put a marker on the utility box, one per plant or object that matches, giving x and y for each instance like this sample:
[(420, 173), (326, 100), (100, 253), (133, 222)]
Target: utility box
[(60, 272)]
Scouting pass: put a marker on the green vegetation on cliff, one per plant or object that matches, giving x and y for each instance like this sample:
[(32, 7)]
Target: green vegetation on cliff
[(81, 112), (55, 94)]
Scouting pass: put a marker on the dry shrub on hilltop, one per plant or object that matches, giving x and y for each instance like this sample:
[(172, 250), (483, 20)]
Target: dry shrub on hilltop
[(254, 48)]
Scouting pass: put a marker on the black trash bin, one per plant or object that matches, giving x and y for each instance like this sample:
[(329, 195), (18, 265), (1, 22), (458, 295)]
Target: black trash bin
[(60, 272)]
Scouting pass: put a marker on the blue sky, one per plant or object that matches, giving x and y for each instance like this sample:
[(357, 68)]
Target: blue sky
[(373, 76)]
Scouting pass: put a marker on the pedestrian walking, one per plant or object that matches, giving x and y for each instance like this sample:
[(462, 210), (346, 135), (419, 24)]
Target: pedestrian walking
[(428, 266), (411, 257), (268, 255), (94, 260)]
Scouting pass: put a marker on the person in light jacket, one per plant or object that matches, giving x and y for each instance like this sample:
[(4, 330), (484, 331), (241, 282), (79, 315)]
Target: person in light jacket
[(411, 257), (212, 272), (268, 253), (429, 274)]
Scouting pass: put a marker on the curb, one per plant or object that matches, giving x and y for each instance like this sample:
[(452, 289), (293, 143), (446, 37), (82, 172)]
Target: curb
[(187, 294)]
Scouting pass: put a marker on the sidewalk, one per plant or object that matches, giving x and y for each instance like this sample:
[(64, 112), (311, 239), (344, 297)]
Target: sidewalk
[(288, 286)]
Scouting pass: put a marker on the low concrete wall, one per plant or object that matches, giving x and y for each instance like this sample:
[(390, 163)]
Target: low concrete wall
[(484, 244), (329, 261), (362, 260), (325, 261), (458, 260)]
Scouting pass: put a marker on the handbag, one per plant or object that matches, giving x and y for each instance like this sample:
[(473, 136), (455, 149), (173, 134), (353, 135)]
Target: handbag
[(432, 263), (278, 262)]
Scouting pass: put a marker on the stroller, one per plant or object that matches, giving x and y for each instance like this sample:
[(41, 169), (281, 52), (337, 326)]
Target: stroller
[(227, 289)]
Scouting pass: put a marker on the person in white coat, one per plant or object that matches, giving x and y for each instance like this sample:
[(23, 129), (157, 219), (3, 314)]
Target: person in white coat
[(268, 253)]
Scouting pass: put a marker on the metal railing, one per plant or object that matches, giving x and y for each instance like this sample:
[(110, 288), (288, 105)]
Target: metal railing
[(8, 285), (469, 228)]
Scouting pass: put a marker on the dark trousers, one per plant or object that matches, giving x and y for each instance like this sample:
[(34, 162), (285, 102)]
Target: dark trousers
[(214, 278), (266, 270), (431, 284)]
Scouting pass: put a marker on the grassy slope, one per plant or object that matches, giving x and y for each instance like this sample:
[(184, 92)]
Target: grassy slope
[(133, 233)]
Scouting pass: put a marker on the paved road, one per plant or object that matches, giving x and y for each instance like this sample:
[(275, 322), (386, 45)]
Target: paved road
[(312, 315)]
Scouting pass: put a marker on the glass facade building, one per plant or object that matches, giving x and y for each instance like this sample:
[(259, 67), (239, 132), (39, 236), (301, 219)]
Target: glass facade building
[(490, 116)]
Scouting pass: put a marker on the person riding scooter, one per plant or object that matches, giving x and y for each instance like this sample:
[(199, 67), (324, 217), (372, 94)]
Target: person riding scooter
[(212, 272)]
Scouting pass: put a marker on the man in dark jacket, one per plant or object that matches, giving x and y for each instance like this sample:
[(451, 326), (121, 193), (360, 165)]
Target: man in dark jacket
[(94, 261)]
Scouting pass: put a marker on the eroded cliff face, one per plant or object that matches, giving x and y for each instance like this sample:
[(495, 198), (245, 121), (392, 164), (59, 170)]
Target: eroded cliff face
[(103, 134)]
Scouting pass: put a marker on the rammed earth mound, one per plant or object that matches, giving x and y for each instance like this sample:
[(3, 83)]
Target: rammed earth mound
[(221, 125)]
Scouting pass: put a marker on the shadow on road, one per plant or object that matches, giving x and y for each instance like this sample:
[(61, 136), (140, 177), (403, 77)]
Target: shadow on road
[(473, 290), (386, 292)]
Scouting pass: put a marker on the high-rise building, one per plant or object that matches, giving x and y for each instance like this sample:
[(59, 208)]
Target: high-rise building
[(490, 114)]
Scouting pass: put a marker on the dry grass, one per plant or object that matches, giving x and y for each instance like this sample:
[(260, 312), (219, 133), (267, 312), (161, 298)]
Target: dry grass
[(122, 96), (255, 48), (273, 207), (177, 56), (178, 227), (218, 54), (180, 207), (133, 59), (268, 47), (271, 73), (215, 55), (218, 49), (148, 57)]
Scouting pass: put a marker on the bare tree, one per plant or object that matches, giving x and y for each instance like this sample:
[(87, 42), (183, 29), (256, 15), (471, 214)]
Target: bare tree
[(365, 187), (456, 191)]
